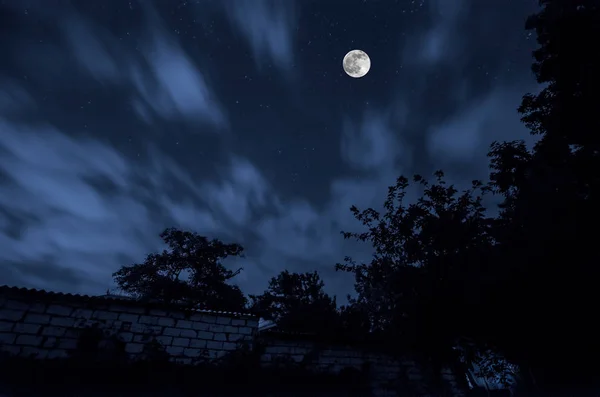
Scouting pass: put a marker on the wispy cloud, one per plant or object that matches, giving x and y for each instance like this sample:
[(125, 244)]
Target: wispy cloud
[(167, 83), (268, 26), (73, 208), (438, 42)]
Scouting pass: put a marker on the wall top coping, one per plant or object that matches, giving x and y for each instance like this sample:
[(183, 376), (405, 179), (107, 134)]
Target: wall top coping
[(12, 292)]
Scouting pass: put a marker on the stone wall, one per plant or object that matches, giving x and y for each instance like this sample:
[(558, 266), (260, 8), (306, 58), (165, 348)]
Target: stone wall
[(49, 325), (390, 377)]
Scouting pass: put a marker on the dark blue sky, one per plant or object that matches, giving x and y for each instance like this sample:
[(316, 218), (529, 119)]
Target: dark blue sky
[(234, 118)]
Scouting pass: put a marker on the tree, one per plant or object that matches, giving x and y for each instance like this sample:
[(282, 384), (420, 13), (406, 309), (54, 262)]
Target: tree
[(429, 268), (190, 272), (551, 206), (297, 302)]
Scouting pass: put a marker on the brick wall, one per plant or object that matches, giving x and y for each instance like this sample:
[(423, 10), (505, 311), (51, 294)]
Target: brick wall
[(389, 377), (48, 325)]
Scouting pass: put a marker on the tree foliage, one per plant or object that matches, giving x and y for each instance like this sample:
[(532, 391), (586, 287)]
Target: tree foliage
[(421, 288), (190, 271), (546, 243), (297, 302)]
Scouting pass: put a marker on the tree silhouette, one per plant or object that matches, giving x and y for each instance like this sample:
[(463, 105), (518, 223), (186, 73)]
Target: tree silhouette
[(297, 302), (189, 272), (423, 284), (546, 248)]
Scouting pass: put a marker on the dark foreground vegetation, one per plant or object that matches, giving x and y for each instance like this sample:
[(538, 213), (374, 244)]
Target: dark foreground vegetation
[(86, 372)]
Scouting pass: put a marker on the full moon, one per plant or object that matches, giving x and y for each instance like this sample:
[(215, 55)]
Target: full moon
[(356, 63)]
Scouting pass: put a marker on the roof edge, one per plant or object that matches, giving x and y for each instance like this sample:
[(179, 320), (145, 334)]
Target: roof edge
[(33, 292)]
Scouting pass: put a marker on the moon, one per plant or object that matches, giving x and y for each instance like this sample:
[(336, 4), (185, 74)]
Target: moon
[(356, 63)]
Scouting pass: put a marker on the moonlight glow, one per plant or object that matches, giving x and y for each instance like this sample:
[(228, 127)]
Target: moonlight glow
[(356, 63)]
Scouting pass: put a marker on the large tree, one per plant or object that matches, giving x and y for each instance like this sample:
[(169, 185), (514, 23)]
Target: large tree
[(423, 285), (297, 302), (546, 239), (189, 272)]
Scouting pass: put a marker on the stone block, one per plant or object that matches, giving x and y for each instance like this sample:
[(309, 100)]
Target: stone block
[(224, 320), (231, 329), (166, 322), (187, 333), (171, 332), (33, 352), (229, 346), (220, 337), (134, 348), (158, 312), (206, 335), (116, 325), (216, 354), (57, 354), (285, 350), (183, 342), (328, 360), (184, 324), (137, 328), (35, 318), (59, 310), (126, 336), (26, 328), (16, 305), (7, 338), (195, 317), (11, 315), (217, 328), (245, 331), (146, 329), (266, 358), (253, 323), (37, 307), (131, 309), (142, 338), (29, 340), (214, 345), (174, 350), (177, 315), (164, 340), (192, 352), (198, 343), (234, 337), (53, 331), (67, 344), (237, 322), (11, 350), (205, 318), (6, 326), (73, 333), (105, 315), (200, 326), (297, 358), (50, 343), (63, 321), (132, 318), (149, 320), (85, 314)]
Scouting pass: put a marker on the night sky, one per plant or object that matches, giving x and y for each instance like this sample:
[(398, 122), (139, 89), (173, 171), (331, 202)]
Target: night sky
[(235, 119)]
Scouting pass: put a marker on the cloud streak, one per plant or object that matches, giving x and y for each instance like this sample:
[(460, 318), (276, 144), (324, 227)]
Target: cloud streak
[(167, 83), (268, 27)]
